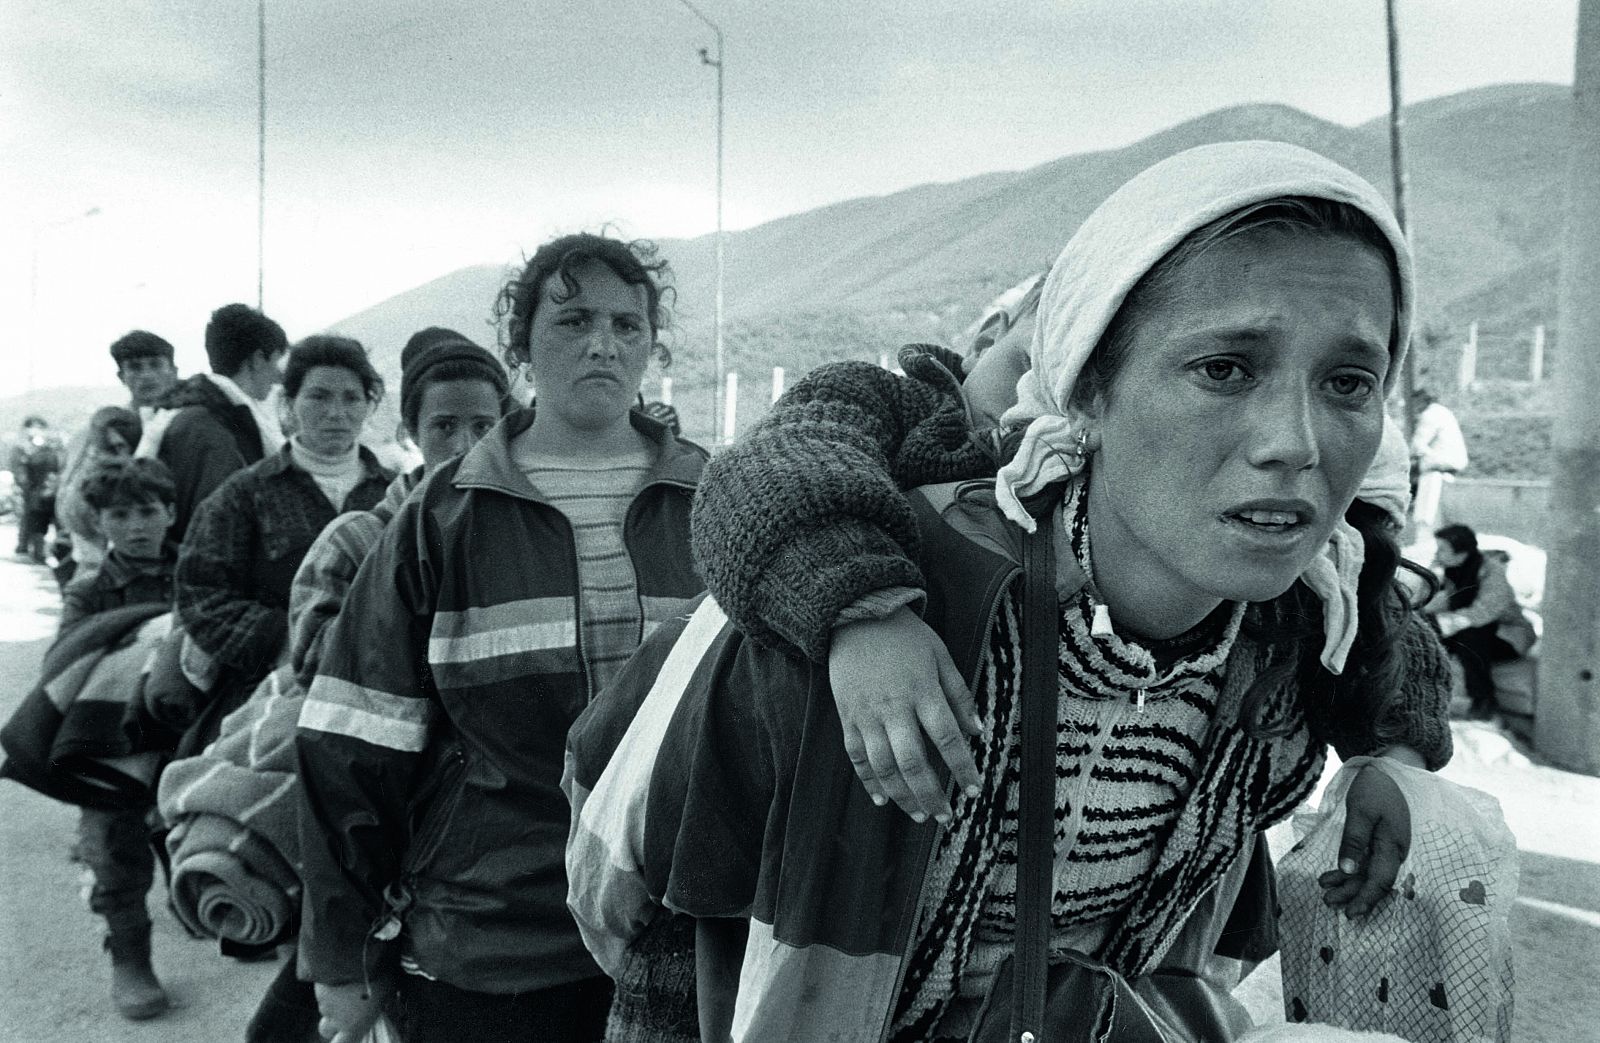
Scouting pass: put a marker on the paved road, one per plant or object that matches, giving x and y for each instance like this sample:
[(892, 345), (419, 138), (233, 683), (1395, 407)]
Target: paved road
[(54, 980)]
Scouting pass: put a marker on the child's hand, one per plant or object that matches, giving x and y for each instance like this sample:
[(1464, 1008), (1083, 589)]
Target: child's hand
[(898, 692), (1377, 837)]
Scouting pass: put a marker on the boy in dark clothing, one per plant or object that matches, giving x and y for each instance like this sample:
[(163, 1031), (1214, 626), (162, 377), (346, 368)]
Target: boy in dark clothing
[(216, 423), (133, 501)]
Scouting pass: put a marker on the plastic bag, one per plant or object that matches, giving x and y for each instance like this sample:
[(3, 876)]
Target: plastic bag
[(382, 1031), (1432, 961)]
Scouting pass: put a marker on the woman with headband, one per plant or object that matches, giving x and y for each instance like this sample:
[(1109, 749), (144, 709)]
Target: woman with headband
[(1198, 436)]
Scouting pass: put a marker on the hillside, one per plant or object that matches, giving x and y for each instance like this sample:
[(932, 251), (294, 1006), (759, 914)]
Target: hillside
[(859, 277)]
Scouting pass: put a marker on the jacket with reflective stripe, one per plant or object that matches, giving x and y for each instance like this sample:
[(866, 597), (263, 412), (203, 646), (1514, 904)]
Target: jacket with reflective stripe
[(431, 743)]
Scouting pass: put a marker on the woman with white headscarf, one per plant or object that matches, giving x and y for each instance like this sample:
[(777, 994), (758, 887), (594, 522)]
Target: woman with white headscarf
[(1198, 432)]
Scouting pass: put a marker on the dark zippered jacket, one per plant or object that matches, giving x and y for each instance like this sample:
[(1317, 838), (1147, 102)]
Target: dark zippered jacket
[(431, 742)]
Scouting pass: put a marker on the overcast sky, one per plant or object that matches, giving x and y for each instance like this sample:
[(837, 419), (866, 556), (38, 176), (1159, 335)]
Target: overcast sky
[(407, 138)]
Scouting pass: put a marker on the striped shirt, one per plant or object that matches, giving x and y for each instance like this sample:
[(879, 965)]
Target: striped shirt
[(595, 501)]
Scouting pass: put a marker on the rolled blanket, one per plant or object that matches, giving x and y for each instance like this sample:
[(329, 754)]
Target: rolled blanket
[(234, 841), (247, 774), (66, 738), (228, 884)]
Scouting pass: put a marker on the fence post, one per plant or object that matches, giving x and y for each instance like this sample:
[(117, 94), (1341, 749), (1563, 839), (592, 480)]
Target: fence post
[(730, 406), (777, 383), (1536, 363), (1469, 360)]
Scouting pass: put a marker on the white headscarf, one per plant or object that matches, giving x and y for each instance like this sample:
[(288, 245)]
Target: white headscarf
[(1113, 249)]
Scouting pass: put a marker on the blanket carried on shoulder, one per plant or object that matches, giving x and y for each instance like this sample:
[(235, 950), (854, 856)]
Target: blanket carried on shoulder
[(66, 738), (234, 846)]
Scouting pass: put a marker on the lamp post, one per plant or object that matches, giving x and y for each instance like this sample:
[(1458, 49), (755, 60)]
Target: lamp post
[(721, 358), (1397, 165), (261, 151), (33, 282)]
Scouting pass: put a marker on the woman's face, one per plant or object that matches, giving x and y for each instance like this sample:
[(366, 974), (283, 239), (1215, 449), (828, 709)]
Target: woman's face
[(453, 416), (1244, 418), (329, 410), (1445, 556), (588, 352)]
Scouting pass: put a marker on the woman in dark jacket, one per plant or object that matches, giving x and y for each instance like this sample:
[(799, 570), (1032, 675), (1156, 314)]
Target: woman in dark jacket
[(1477, 613), (247, 538), (506, 592)]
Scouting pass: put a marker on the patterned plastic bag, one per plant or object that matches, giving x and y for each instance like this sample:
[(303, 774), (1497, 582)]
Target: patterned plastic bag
[(1432, 961)]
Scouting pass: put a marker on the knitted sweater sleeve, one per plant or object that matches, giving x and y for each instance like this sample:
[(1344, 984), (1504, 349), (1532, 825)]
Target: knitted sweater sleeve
[(807, 514), (1418, 716)]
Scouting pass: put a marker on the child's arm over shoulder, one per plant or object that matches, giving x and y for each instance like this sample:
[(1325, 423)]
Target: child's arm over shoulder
[(807, 514)]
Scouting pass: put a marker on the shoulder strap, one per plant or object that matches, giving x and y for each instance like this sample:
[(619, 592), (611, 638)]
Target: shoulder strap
[(1036, 803)]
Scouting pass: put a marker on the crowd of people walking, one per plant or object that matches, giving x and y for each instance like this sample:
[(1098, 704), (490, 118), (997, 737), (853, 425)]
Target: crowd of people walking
[(942, 704)]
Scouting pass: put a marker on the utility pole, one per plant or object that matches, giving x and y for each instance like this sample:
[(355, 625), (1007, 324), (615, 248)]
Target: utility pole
[(1397, 165), (721, 357), (1567, 725), (261, 153)]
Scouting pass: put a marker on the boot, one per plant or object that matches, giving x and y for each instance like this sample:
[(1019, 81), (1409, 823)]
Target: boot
[(134, 988)]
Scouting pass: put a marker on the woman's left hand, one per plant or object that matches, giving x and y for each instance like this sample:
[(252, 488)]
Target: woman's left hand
[(1377, 837)]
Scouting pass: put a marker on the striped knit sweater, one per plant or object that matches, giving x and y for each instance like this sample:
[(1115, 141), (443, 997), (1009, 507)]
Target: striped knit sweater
[(1132, 724)]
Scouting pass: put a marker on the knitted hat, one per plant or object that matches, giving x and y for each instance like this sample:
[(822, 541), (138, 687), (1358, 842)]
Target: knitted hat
[(429, 347)]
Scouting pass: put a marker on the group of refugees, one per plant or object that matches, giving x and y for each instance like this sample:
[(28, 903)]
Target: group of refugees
[(940, 702)]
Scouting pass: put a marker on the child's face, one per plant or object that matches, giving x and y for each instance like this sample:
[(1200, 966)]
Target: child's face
[(137, 529)]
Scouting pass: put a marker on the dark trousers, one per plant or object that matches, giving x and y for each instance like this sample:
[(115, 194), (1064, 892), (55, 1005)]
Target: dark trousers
[(115, 845), (433, 1012), (33, 521), (288, 1012), (1478, 649)]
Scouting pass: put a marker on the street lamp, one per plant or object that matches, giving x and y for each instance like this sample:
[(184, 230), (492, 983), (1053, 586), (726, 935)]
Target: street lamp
[(261, 152), (33, 281), (721, 359)]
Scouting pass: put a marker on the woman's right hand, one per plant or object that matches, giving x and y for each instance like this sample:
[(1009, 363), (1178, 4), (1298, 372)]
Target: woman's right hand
[(349, 1011), (898, 690)]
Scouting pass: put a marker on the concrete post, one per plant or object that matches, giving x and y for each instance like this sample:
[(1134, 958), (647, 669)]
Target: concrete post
[(1469, 360), (1536, 363), (777, 383), (1567, 725)]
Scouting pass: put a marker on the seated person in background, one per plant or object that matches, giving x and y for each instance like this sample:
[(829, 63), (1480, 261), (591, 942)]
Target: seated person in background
[(1477, 613)]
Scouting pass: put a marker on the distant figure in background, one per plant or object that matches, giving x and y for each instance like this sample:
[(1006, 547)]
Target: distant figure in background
[(1438, 450), (1477, 613), (216, 423), (36, 466), (113, 432), (144, 365)]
